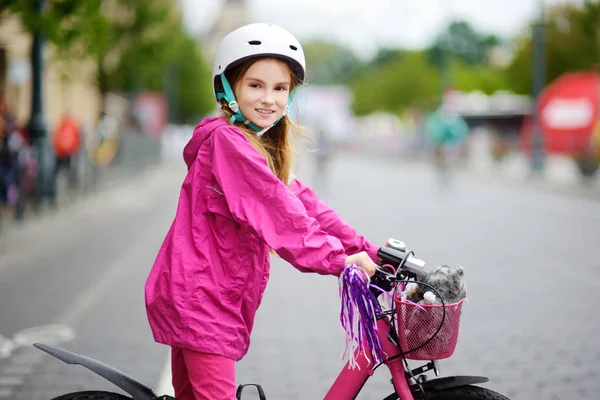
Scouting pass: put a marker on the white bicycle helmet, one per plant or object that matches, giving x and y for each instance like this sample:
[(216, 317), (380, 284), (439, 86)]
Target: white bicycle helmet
[(249, 41), (257, 40)]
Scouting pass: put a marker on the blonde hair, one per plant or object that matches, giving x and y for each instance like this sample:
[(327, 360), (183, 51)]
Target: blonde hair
[(276, 145)]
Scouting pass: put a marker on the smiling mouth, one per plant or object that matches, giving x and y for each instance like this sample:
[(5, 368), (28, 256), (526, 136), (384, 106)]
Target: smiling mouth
[(264, 112)]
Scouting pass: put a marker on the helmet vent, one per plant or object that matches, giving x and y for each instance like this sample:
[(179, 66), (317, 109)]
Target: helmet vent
[(293, 47), (255, 42)]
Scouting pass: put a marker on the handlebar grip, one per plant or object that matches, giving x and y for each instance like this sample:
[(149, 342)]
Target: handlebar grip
[(394, 257), (383, 279)]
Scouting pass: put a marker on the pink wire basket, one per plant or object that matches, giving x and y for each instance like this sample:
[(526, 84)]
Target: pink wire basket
[(417, 326)]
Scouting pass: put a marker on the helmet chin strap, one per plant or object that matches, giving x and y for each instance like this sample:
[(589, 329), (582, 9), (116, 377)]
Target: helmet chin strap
[(285, 112), (238, 116)]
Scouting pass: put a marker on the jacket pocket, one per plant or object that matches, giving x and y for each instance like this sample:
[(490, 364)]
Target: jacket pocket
[(233, 246)]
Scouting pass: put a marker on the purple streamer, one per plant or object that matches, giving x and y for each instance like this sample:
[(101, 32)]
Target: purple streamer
[(377, 287), (359, 316)]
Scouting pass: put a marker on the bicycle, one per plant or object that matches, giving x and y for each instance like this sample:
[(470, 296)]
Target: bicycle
[(401, 341)]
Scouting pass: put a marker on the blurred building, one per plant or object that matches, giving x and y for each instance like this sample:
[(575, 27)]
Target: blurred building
[(233, 14), (502, 111), (68, 87)]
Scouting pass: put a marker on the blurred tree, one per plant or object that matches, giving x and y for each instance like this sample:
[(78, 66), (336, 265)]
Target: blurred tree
[(158, 46), (591, 25), (485, 78), (398, 78), (409, 80), (77, 29), (193, 82), (385, 55), (461, 40), (572, 44), (329, 63), (132, 42)]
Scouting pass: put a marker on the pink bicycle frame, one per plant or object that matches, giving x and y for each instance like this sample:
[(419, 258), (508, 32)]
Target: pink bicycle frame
[(350, 381)]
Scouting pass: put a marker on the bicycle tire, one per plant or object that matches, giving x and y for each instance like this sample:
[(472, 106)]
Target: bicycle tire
[(92, 395), (467, 392)]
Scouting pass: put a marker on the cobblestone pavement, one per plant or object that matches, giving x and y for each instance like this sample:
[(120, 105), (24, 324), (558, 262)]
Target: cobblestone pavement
[(532, 273)]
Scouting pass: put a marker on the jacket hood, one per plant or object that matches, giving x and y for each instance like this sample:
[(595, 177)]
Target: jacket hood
[(201, 133)]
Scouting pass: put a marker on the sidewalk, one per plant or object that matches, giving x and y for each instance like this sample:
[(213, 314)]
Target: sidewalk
[(115, 186), (136, 156)]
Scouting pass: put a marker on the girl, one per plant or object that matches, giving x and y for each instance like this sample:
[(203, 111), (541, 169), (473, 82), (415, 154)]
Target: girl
[(237, 202)]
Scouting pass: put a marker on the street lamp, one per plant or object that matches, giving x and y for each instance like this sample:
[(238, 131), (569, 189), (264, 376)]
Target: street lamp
[(36, 127), (539, 81)]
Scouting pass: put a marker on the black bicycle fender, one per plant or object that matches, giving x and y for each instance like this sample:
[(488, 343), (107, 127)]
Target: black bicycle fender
[(137, 390), (453, 381)]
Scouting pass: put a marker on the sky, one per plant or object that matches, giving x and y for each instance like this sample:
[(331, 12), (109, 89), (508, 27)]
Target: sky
[(365, 25)]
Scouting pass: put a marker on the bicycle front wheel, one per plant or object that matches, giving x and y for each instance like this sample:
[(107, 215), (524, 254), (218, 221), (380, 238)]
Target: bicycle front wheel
[(92, 395), (467, 392)]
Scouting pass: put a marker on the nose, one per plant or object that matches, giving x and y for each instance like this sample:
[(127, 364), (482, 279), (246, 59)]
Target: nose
[(267, 97)]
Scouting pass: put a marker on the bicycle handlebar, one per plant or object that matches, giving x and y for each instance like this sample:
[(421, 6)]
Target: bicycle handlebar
[(395, 257), (385, 278)]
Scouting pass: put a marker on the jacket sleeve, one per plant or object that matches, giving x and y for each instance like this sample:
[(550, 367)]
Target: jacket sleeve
[(331, 222), (258, 199)]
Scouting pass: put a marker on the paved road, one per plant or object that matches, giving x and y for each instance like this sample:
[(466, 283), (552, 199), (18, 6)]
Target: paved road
[(529, 324)]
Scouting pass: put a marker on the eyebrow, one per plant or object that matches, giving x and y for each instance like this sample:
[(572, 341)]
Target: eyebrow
[(261, 81)]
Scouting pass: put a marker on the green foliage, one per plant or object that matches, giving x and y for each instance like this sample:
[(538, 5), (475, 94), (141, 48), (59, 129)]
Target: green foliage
[(572, 36), (193, 82), (396, 78), (408, 81), (468, 78), (460, 40), (329, 63), (386, 55), (133, 42), (76, 28)]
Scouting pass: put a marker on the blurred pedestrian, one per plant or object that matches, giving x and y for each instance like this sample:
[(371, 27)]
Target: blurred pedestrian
[(238, 201), (10, 143), (323, 153), (66, 141), (445, 129)]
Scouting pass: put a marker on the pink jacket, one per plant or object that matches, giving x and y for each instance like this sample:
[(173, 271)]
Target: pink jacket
[(212, 268)]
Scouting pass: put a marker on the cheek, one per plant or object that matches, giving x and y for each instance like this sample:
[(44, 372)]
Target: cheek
[(242, 96), (246, 99), (282, 97)]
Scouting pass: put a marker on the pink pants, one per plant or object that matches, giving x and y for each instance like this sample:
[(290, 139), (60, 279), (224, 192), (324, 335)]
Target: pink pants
[(202, 376)]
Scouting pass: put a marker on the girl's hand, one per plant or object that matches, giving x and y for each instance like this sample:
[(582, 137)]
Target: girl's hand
[(363, 260)]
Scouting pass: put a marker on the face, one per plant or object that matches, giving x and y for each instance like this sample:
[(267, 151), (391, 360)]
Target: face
[(262, 93)]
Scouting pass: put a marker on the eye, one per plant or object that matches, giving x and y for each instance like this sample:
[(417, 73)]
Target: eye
[(255, 85), (281, 88)]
